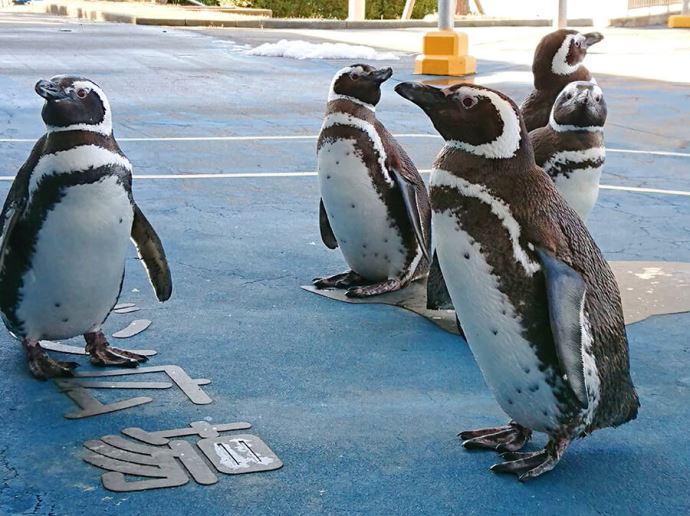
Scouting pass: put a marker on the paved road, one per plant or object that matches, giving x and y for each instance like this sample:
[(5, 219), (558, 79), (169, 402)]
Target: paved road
[(361, 403)]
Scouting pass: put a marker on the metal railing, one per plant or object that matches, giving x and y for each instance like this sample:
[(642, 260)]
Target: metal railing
[(641, 4)]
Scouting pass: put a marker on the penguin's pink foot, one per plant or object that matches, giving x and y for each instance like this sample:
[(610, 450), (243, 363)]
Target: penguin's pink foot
[(376, 289), (103, 354), (530, 465), (508, 438), (44, 367), (342, 280)]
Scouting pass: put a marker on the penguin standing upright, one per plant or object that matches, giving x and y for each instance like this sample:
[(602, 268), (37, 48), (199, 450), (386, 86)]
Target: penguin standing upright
[(66, 224), (538, 303), (571, 147), (557, 61), (374, 204)]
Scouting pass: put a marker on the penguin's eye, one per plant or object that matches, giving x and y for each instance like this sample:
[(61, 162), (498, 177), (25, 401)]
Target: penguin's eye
[(568, 96), (468, 101), (82, 93), (597, 98), (577, 43), (354, 76)]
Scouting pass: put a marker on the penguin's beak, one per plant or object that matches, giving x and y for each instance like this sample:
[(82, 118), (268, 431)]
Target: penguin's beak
[(49, 90), (426, 97), (592, 38), (381, 75)]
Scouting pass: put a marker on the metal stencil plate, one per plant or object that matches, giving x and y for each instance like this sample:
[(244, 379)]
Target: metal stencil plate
[(49, 345), (412, 297), (134, 328), (77, 389), (157, 461), (126, 310), (647, 289), (239, 454)]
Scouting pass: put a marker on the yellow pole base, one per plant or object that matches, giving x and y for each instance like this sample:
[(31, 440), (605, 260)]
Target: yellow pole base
[(445, 53), (678, 21)]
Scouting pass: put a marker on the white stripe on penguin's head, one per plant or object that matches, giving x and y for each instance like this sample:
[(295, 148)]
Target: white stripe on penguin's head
[(559, 64), (506, 144), (359, 83), (75, 104)]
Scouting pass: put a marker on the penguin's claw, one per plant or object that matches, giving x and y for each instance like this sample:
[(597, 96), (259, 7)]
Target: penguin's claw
[(103, 354), (384, 287), (110, 356), (508, 438), (532, 464), (44, 367), (342, 280)]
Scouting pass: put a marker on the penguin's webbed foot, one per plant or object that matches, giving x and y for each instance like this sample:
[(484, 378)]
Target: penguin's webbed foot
[(44, 367), (376, 289), (103, 354), (509, 438), (343, 280), (532, 464)]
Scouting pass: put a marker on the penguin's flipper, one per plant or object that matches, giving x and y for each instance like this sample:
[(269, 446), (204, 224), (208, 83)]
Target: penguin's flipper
[(326, 231), (10, 217), (437, 296), (411, 184), (16, 199), (409, 193), (565, 291), (152, 255)]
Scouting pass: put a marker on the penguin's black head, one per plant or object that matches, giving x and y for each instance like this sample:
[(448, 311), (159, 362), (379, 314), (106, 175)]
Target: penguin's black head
[(580, 104), (563, 51), (74, 103), (474, 118), (360, 82)]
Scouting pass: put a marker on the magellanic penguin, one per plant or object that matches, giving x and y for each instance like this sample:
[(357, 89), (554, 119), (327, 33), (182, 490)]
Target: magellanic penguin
[(374, 204), (538, 303), (557, 61), (66, 224), (571, 147)]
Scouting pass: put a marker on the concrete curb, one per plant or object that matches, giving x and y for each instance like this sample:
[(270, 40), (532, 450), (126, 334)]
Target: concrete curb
[(642, 21), (99, 14)]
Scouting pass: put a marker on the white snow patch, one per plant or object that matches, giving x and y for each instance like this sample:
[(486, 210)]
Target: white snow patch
[(299, 49)]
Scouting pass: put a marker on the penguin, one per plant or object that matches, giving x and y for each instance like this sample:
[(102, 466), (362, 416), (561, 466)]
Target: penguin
[(65, 227), (374, 204), (538, 303), (557, 61), (570, 148)]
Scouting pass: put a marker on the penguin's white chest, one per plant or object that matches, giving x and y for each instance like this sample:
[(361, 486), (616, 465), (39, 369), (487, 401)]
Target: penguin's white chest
[(492, 325), (367, 237), (580, 186), (493, 328), (580, 189), (78, 262)]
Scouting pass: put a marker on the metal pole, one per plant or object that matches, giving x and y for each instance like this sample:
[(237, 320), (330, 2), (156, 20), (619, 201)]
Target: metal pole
[(686, 8), (407, 11), (446, 20), (356, 9), (561, 20)]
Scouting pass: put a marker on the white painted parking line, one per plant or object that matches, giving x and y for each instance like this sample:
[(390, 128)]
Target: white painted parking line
[(645, 190), (252, 175), (307, 137)]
